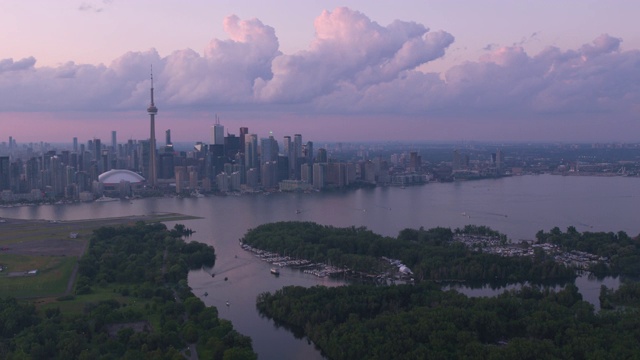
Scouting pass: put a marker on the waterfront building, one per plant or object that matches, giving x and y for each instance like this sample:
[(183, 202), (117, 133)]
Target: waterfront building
[(223, 182), (294, 185), (252, 178), (235, 181), (181, 178), (118, 183), (269, 150), (269, 175), (166, 168), (193, 177), (5, 173), (318, 175), (283, 168), (306, 173)]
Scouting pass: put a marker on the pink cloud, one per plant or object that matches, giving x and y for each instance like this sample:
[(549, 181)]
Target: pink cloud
[(353, 67)]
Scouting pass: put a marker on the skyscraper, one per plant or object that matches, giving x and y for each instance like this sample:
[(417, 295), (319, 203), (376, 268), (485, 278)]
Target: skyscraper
[(297, 155), (114, 142), (309, 152), (217, 133), (250, 151), (152, 110), (269, 150), (5, 173), (167, 137), (288, 152), (243, 131)]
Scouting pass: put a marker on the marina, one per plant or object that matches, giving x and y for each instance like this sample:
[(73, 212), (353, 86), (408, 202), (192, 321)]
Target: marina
[(307, 267)]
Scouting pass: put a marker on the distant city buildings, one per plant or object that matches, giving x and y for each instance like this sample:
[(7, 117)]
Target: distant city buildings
[(249, 163)]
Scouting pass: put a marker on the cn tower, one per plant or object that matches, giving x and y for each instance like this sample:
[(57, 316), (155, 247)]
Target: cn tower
[(152, 110)]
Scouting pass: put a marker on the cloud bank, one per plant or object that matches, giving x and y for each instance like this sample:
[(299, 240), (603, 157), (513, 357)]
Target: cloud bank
[(353, 66)]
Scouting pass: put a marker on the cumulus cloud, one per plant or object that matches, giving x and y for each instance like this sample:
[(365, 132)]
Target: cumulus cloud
[(596, 77), (350, 48), (353, 65), (23, 64)]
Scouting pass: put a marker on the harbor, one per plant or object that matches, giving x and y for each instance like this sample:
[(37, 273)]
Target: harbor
[(306, 266)]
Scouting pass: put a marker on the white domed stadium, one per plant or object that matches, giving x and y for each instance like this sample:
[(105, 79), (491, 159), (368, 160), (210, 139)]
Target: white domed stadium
[(116, 176), (120, 183)]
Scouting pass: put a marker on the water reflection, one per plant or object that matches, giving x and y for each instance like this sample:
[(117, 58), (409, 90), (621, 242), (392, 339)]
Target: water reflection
[(587, 284)]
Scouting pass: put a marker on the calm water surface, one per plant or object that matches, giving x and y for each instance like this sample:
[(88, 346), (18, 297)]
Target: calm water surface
[(517, 206)]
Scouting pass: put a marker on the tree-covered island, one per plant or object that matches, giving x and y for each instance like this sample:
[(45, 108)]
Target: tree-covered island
[(131, 301), (438, 254), (421, 321)]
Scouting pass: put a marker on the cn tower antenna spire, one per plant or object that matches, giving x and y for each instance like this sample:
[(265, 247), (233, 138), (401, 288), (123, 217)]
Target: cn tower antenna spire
[(151, 85)]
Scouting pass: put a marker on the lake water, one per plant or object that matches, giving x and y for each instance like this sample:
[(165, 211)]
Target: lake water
[(516, 206)]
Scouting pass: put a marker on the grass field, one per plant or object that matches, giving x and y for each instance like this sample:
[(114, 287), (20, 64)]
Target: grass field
[(52, 277), (46, 246)]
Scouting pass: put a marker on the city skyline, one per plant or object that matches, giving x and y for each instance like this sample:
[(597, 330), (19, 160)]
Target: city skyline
[(417, 71)]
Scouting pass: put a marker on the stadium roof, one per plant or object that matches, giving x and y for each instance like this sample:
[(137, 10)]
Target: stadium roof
[(117, 175)]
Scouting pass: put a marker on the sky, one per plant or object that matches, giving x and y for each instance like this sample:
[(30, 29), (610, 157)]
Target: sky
[(447, 70)]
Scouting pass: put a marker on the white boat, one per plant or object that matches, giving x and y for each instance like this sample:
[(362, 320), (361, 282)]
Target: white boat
[(275, 271)]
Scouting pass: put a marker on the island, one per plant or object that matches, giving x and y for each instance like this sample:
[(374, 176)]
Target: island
[(421, 320)]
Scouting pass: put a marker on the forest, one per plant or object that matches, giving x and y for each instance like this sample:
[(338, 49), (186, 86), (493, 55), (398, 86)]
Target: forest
[(621, 250), (423, 322), (132, 301), (431, 254)]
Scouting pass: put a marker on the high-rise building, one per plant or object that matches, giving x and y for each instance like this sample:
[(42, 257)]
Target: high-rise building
[(318, 175), (322, 155), (168, 146), (297, 155), (114, 142), (5, 173), (288, 152), (231, 145), (217, 133), (309, 152), (152, 110), (75, 144), (97, 149), (167, 137), (243, 131), (297, 145), (269, 150), (415, 161), (269, 175), (250, 151)]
